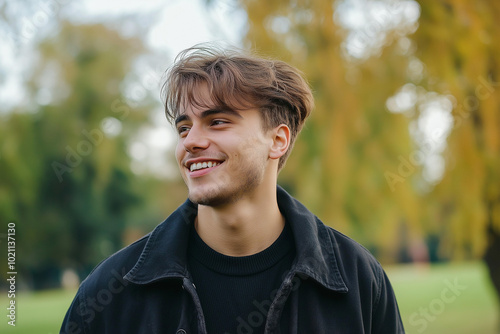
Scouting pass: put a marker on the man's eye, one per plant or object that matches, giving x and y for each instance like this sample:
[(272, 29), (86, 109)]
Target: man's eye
[(218, 122), (182, 129)]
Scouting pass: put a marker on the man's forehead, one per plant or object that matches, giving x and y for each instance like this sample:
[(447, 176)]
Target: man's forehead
[(195, 107), (195, 97)]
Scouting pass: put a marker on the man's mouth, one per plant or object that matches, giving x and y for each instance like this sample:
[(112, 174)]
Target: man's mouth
[(202, 165)]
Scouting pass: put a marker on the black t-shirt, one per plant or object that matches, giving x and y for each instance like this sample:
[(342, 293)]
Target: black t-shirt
[(236, 292)]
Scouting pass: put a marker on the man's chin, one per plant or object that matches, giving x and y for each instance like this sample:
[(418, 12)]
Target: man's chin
[(202, 197), (211, 198)]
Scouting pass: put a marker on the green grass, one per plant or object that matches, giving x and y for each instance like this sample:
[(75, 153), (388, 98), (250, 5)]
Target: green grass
[(36, 313), (471, 308), (472, 311)]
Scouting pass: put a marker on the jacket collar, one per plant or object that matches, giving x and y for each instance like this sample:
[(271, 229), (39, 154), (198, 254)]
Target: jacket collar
[(164, 255)]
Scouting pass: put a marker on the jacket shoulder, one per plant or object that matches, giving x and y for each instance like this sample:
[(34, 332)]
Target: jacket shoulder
[(364, 274), (356, 262)]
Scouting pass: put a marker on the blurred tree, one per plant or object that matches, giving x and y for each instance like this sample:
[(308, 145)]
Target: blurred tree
[(341, 164), (458, 42), (66, 178), (352, 148)]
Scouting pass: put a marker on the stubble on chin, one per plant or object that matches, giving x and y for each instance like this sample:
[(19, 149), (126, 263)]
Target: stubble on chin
[(226, 193), (208, 198)]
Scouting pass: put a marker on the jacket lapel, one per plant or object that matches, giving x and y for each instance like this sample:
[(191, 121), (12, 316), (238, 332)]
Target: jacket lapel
[(164, 255), (314, 244)]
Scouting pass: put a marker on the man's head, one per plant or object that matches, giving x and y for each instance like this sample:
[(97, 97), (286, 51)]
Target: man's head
[(237, 81)]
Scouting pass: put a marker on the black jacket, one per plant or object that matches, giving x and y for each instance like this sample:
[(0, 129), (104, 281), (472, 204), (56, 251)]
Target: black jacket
[(334, 286)]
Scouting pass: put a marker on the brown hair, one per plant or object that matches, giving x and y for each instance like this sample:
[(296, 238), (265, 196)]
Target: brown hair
[(238, 81)]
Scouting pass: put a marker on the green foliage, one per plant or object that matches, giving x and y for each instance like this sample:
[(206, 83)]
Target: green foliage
[(66, 174)]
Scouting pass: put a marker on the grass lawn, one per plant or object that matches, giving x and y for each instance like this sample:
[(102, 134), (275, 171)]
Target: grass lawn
[(441, 299), (446, 298), (36, 313)]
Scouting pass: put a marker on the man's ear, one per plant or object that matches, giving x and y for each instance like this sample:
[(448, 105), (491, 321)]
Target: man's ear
[(281, 141)]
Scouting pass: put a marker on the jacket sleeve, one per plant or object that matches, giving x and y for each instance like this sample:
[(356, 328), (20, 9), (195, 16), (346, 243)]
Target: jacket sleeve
[(386, 317)]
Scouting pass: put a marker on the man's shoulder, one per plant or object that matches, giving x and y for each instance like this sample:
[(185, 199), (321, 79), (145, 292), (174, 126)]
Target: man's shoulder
[(364, 274), (353, 256)]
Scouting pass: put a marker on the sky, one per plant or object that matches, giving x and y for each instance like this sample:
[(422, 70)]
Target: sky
[(181, 23), (172, 26)]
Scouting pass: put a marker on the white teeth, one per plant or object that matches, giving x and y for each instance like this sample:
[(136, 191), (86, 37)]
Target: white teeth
[(200, 165)]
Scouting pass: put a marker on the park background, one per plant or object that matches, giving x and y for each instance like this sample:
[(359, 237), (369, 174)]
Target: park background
[(402, 151)]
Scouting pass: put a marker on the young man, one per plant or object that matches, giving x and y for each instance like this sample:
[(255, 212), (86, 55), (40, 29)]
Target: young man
[(240, 255)]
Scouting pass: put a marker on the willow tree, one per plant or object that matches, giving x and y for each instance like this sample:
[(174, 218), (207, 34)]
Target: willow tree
[(351, 143), (458, 42)]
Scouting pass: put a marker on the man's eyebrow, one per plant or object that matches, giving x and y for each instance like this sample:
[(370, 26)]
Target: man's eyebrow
[(207, 113), (181, 118), (210, 112)]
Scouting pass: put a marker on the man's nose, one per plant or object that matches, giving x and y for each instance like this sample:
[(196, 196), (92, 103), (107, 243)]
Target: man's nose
[(196, 139)]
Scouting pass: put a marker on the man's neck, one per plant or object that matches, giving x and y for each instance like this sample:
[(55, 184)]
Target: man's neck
[(243, 228)]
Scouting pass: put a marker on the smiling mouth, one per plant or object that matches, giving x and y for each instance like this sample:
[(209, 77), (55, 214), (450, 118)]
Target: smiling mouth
[(203, 165)]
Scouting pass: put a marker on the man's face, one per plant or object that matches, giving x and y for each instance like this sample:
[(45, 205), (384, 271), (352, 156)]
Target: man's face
[(222, 154)]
